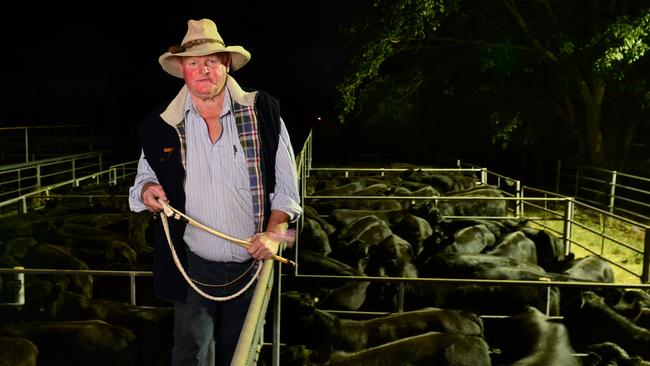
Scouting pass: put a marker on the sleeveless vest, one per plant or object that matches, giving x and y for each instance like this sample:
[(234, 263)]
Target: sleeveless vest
[(162, 146)]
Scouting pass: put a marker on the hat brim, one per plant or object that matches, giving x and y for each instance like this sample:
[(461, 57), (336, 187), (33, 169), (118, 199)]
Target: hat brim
[(170, 62)]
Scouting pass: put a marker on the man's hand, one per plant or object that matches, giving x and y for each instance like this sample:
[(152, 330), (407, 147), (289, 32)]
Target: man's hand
[(150, 194), (263, 246)]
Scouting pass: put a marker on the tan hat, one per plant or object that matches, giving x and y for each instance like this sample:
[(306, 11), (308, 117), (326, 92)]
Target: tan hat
[(201, 39)]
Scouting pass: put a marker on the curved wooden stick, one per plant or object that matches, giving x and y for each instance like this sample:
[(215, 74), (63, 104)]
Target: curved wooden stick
[(169, 211)]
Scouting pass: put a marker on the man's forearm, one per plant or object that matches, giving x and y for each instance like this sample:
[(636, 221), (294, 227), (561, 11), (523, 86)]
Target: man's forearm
[(278, 221)]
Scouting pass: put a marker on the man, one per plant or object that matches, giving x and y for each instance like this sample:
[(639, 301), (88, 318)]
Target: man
[(223, 156)]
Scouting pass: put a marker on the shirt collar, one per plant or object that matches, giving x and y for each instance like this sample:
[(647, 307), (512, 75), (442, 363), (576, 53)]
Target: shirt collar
[(191, 108)]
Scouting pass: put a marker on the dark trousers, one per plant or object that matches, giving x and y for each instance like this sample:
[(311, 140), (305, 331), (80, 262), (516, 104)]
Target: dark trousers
[(206, 331)]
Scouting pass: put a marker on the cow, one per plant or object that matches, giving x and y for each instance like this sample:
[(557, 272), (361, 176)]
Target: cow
[(515, 245), (343, 217), (441, 181), (471, 240), (393, 257), (59, 257), (551, 251), (500, 299), (591, 309), (415, 230), (424, 191), (433, 348), (610, 354), (590, 268), (469, 207), (335, 294), (313, 237), (357, 237), (355, 335), (634, 304), (529, 338), (17, 352), (91, 342), (313, 214)]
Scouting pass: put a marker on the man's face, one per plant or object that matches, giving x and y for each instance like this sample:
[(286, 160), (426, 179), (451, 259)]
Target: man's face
[(205, 76)]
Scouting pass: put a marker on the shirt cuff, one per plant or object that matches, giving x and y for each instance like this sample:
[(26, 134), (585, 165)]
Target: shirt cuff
[(284, 203)]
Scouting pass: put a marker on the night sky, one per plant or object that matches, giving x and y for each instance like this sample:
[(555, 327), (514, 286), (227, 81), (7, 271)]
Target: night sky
[(97, 62)]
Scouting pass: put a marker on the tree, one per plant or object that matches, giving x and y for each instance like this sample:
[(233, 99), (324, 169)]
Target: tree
[(535, 70)]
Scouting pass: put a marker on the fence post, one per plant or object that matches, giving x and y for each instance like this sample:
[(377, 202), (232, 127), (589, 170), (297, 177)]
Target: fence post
[(519, 210), (26, 145), (612, 192), (132, 285), (484, 176), (646, 256), (74, 172), (568, 221)]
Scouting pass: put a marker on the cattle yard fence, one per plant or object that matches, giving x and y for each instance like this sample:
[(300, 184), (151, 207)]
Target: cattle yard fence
[(29, 185), (548, 209), (614, 191)]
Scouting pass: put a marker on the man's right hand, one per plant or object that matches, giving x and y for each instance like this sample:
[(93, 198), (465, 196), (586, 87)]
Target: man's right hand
[(150, 194)]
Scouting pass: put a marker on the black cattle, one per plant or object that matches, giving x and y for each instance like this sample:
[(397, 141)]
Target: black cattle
[(551, 251), (393, 257), (92, 342), (320, 327), (343, 217), (334, 294), (496, 227), (342, 190), (375, 189), (355, 239), (441, 181), (483, 299), (589, 310), (17, 352), (313, 237), (470, 207), (591, 268), (434, 348), (634, 304), (610, 354), (471, 240), (313, 214), (517, 246), (415, 230), (529, 338), (424, 191), (485, 266)]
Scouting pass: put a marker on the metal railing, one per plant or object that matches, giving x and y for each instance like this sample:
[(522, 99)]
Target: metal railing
[(611, 190), (16, 179), (36, 192), (589, 227), (18, 146)]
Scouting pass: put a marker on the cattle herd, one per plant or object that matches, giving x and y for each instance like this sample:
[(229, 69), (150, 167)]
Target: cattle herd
[(389, 272), (459, 302), (81, 319)]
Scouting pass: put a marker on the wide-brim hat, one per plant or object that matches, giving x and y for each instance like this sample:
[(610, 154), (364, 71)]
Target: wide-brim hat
[(201, 39)]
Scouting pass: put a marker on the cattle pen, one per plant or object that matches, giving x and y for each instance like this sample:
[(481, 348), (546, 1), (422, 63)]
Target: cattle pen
[(264, 339), (562, 216)]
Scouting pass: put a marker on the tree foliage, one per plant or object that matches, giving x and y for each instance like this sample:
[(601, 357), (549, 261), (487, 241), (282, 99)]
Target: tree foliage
[(525, 72)]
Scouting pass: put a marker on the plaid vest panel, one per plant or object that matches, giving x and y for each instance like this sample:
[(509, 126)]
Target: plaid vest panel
[(249, 138), (250, 141)]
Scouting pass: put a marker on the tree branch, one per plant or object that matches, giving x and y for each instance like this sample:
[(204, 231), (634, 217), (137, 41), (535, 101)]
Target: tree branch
[(546, 53)]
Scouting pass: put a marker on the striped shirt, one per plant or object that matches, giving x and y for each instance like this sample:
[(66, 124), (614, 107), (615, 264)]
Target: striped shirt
[(217, 186)]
